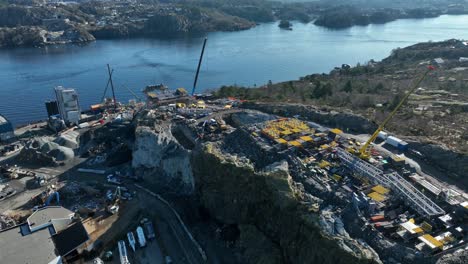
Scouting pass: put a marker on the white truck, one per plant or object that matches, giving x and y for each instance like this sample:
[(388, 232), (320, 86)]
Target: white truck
[(141, 236), (123, 253)]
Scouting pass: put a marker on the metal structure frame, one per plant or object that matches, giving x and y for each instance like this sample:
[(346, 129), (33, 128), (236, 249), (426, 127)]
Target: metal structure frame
[(416, 199)]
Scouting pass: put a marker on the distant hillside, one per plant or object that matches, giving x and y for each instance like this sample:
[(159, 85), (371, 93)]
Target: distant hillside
[(438, 112)]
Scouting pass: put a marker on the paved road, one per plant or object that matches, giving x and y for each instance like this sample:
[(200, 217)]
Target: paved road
[(181, 246)]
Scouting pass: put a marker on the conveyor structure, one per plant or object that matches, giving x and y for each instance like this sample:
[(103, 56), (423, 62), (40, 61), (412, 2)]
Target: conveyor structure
[(416, 199)]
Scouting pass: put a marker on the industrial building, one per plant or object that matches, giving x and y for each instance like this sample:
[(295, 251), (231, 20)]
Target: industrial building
[(6, 129), (49, 236), (68, 105)]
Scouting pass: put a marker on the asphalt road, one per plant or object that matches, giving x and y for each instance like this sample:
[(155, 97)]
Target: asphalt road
[(176, 239)]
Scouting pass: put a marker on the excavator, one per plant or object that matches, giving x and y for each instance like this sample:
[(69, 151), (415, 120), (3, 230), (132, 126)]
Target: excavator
[(363, 152)]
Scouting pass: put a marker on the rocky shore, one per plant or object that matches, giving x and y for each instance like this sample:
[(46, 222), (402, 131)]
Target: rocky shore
[(61, 24)]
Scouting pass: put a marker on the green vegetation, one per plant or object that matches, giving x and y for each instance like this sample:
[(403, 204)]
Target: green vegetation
[(285, 24)]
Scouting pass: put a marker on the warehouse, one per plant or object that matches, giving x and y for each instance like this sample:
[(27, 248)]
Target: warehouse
[(6, 129)]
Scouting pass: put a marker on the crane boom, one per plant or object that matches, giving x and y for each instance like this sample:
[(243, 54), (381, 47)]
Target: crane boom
[(364, 153), (133, 93), (198, 68)]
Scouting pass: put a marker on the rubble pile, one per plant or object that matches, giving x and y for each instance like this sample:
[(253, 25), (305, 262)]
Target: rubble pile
[(44, 152), (6, 221)]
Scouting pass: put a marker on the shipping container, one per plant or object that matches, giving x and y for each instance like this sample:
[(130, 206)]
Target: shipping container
[(377, 218), (382, 135), (403, 146), (393, 141)]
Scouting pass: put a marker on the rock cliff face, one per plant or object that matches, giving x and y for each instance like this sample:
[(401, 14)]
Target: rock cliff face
[(269, 208), (162, 161)]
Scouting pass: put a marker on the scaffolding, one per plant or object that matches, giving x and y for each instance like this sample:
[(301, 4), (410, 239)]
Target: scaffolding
[(417, 200)]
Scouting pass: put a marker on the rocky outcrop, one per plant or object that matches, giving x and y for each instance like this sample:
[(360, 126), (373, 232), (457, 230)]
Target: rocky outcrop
[(455, 165), (162, 162), (346, 121), (37, 36), (454, 258), (173, 24), (268, 206)]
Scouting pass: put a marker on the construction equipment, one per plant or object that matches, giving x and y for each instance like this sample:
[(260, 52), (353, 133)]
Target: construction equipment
[(364, 150), (198, 68), (133, 93), (114, 198), (107, 86), (141, 236), (112, 85), (131, 240), (123, 252), (51, 197)]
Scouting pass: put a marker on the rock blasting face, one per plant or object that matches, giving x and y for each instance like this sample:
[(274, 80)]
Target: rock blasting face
[(162, 161)]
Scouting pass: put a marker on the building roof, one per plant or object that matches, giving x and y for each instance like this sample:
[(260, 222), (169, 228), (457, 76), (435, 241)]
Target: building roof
[(411, 227), (295, 143), (430, 241), (376, 196), (380, 189), (2, 119), (32, 248), (46, 214), (5, 125), (70, 238), (336, 131)]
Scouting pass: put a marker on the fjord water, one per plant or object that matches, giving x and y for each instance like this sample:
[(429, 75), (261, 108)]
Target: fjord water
[(252, 57)]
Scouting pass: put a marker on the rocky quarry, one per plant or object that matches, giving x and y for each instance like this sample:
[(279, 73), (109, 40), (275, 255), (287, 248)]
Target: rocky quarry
[(162, 161), (267, 208), (279, 217)]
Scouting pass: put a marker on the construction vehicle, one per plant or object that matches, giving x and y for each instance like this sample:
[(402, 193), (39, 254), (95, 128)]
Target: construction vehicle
[(364, 150), (141, 236), (131, 241), (181, 105), (114, 198), (149, 229), (123, 252)]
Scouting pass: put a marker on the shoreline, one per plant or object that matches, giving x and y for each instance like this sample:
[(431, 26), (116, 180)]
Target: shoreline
[(194, 34)]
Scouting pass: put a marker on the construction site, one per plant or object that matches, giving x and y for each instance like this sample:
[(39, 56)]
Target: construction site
[(188, 178)]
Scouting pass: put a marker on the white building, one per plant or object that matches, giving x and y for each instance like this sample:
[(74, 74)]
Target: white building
[(6, 129), (68, 105)]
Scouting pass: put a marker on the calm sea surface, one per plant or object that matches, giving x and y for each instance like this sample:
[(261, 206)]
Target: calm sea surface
[(252, 57)]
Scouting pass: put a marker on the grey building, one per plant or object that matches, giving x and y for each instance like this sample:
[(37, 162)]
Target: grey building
[(49, 236), (6, 129)]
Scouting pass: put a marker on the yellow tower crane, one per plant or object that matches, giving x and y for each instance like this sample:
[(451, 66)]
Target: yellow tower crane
[(364, 150)]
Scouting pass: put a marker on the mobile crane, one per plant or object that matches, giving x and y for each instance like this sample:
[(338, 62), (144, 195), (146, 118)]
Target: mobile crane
[(364, 150)]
